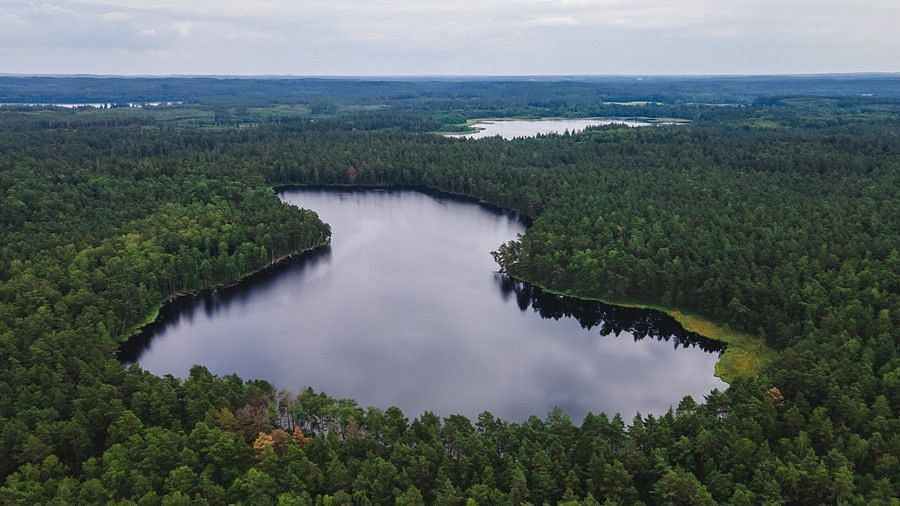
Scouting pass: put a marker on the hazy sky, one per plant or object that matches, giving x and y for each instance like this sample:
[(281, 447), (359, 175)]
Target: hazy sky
[(419, 37)]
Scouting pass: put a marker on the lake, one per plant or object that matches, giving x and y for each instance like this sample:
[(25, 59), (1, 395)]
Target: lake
[(514, 128), (93, 105), (405, 308)]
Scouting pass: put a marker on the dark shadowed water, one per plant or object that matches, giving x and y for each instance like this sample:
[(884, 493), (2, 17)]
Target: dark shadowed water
[(405, 308)]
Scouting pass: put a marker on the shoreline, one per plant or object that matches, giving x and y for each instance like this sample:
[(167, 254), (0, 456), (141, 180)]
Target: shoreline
[(472, 129), (744, 355), (434, 192), (154, 314)]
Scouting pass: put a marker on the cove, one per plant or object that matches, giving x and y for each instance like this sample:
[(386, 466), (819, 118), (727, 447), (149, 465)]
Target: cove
[(405, 308)]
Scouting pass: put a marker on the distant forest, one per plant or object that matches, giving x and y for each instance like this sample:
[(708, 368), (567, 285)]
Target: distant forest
[(448, 92), (775, 212)]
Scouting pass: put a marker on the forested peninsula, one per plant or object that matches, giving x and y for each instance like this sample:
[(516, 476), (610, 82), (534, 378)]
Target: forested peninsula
[(776, 216)]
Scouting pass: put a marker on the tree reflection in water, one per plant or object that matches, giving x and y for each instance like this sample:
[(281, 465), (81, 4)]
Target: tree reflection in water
[(611, 320)]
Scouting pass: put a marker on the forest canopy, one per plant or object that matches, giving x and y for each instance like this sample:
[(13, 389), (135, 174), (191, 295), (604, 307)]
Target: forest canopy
[(777, 215)]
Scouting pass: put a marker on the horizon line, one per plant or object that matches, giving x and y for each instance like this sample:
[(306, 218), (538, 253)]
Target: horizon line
[(446, 76)]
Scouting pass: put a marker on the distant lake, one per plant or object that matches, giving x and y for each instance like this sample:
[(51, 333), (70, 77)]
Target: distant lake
[(405, 308), (514, 128), (92, 105)]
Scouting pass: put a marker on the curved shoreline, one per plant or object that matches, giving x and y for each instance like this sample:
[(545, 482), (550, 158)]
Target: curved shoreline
[(434, 192), (153, 317), (744, 355)]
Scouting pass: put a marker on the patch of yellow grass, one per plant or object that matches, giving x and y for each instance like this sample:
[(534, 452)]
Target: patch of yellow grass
[(744, 356)]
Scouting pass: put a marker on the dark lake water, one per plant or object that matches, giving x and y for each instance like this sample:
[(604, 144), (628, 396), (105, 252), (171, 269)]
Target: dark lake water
[(405, 308)]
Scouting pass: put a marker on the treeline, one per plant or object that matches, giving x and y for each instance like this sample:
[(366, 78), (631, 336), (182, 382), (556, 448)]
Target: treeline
[(218, 441), (422, 93), (774, 231), (779, 219)]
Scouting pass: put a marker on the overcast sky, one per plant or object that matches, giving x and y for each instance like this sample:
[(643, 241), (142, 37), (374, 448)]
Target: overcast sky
[(453, 37)]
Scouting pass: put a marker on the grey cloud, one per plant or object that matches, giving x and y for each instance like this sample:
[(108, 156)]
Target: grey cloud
[(461, 37)]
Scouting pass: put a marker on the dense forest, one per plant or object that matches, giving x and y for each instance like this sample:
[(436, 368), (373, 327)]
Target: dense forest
[(574, 90), (779, 218)]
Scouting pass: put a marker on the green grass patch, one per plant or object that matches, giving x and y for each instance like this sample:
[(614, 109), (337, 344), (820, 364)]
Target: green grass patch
[(745, 355)]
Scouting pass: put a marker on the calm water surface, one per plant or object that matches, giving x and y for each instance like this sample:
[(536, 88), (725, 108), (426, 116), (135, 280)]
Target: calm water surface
[(513, 128), (405, 308)]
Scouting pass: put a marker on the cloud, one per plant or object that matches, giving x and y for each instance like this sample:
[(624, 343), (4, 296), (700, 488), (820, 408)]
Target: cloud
[(51, 8), (463, 36), (115, 16), (552, 21), (12, 18), (180, 27)]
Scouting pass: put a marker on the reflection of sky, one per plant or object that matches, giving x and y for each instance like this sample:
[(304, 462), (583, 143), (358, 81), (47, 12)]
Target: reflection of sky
[(511, 129), (405, 310)]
